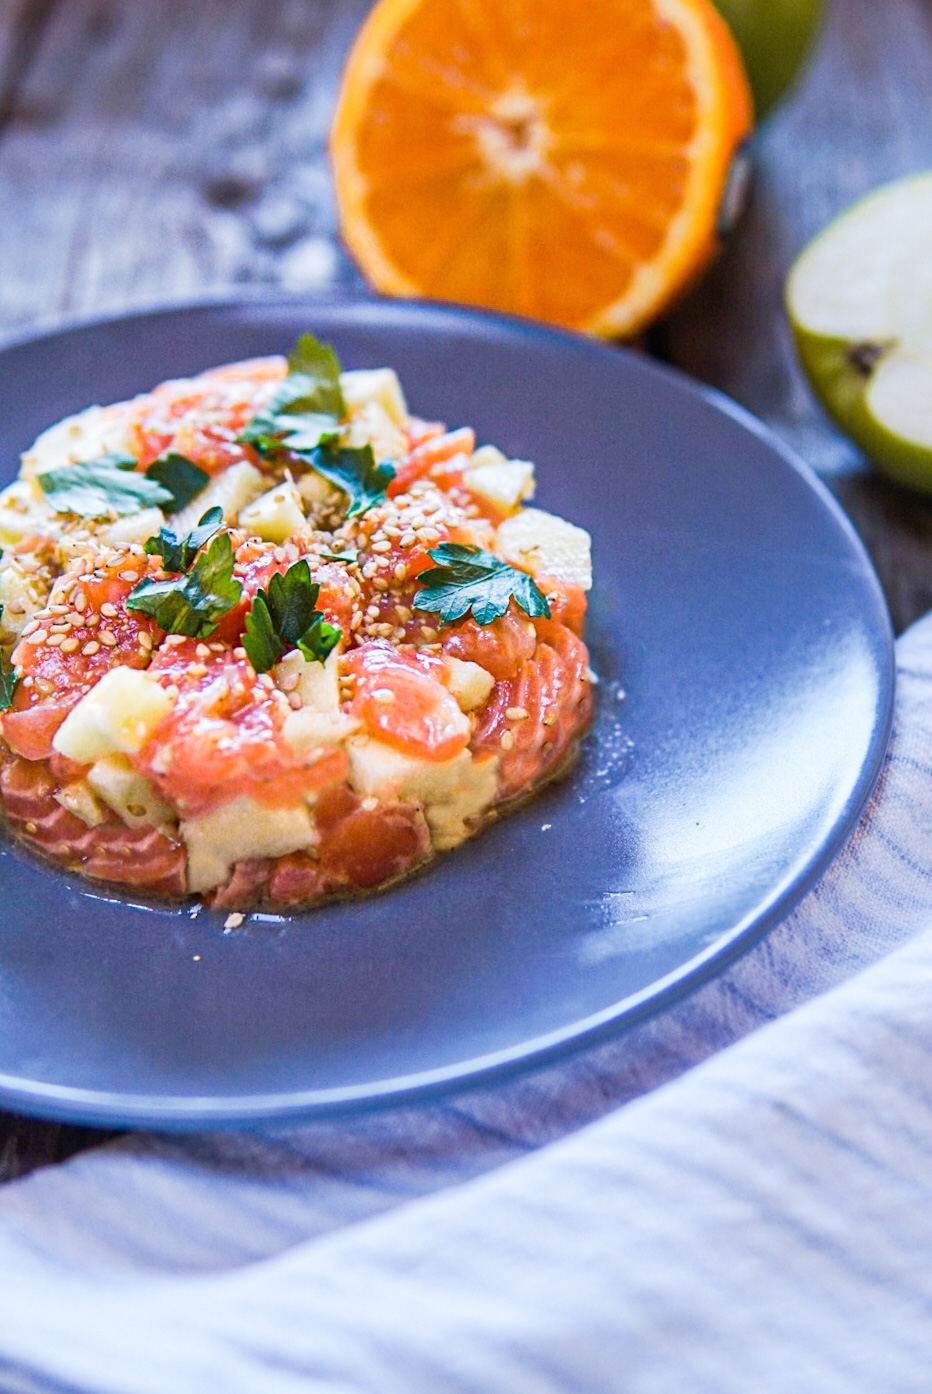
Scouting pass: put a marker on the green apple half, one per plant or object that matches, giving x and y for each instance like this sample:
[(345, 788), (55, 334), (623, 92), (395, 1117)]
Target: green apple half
[(860, 303)]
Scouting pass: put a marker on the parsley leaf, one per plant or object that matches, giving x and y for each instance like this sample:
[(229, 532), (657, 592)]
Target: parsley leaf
[(178, 553), (355, 472), (183, 479), (193, 604), (351, 554), (307, 408), (7, 679), (319, 365), (469, 579), (285, 617), (109, 484)]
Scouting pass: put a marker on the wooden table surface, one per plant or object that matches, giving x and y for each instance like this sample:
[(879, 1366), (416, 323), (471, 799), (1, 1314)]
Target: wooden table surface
[(157, 150)]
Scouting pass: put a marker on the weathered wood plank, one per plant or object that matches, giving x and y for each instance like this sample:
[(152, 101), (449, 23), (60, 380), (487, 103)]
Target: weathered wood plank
[(161, 151)]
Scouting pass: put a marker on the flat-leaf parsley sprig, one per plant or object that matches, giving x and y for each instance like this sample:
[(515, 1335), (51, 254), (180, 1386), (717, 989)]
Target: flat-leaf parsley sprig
[(303, 419), (195, 601), (286, 617), (467, 579), (111, 485)]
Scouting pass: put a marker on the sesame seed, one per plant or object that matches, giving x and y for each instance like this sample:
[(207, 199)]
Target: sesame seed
[(202, 651), (266, 680), (107, 637), (91, 648), (403, 613), (356, 621), (239, 653), (39, 636), (290, 682), (370, 804), (69, 645), (550, 719), (173, 640), (216, 648), (384, 695), (196, 670), (30, 628), (381, 546), (428, 633), (233, 921), (172, 690), (110, 611), (132, 576), (400, 571), (507, 740), (407, 539), (31, 828), (92, 621), (58, 609), (380, 583), (145, 640), (516, 714)]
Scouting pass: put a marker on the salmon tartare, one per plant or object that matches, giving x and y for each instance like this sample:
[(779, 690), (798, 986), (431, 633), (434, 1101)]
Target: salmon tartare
[(268, 638)]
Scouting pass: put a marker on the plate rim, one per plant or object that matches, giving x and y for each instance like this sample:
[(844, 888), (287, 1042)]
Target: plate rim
[(107, 1108)]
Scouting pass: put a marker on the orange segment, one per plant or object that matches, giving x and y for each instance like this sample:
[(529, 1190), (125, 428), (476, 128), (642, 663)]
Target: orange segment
[(565, 163)]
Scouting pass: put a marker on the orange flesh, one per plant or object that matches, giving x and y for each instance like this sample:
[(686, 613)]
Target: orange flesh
[(533, 159)]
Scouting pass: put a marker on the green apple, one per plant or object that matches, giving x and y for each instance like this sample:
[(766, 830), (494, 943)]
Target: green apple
[(774, 37), (860, 302)]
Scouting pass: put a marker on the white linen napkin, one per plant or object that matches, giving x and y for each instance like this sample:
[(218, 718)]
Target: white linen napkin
[(761, 1222)]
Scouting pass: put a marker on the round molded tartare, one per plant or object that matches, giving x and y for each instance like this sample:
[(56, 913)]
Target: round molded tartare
[(268, 638)]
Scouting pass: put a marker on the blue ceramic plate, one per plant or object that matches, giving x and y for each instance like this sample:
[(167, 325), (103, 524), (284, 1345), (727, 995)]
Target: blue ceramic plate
[(746, 664)]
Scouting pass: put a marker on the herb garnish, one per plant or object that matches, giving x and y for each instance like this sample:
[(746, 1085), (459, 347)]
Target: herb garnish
[(285, 617), (178, 553), (303, 419), (183, 479), (111, 484), (192, 604), (355, 472), (469, 579), (7, 679), (350, 555), (307, 408)]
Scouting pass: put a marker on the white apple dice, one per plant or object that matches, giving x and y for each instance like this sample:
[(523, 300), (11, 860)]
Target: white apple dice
[(128, 793), (275, 515), (230, 491), (860, 302), (546, 545), (116, 717), (363, 385), (493, 478)]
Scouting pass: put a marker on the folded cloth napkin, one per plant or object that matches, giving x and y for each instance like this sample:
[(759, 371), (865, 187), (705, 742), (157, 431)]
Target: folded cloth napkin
[(762, 1221)]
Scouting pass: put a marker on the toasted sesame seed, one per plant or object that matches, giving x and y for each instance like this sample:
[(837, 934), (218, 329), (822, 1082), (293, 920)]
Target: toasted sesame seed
[(403, 613), (384, 695), (380, 584), (400, 571), (39, 636), (385, 546), (516, 714), (173, 640), (92, 621), (108, 610), (132, 576), (145, 640), (507, 740), (31, 828), (196, 670), (54, 640), (550, 719), (428, 633), (239, 652), (69, 645), (233, 921), (91, 647), (408, 538), (215, 648), (107, 637), (58, 609), (30, 628), (356, 621), (202, 651)]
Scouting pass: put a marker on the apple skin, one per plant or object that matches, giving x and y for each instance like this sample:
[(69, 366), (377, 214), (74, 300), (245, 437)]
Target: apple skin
[(842, 387), (774, 37)]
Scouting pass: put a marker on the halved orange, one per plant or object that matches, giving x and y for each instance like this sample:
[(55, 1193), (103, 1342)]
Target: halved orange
[(563, 161)]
